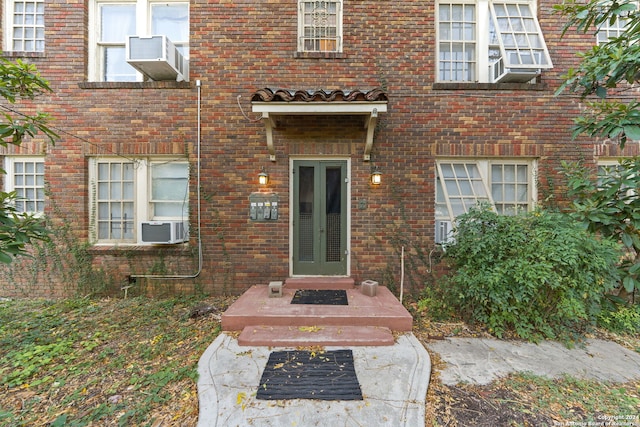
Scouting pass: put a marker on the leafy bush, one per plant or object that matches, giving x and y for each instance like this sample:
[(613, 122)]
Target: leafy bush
[(609, 204), (622, 319), (540, 275)]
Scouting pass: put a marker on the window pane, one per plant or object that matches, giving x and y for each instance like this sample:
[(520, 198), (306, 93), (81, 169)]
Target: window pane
[(509, 173), (115, 201), (28, 183), (127, 190), (170, 210), (103, 190), (171, 20), (610, 29), (441, 206), (28, 26), (457, 207), (320, 25), (103, 230), (117, 21), (522, 193), (465, 188), (452, 187), (116, 68), (510, 188), (520, 34), (460, 171), (457, 50), (479, 188), (170, 189)]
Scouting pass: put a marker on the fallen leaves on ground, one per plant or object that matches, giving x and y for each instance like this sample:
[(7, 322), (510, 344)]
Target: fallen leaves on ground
[(134, 362)]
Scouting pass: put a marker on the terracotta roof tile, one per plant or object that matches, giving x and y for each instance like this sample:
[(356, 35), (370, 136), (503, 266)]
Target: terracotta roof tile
[(286, 95)]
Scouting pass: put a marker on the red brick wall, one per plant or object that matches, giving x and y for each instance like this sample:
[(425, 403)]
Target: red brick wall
[(238, 47)]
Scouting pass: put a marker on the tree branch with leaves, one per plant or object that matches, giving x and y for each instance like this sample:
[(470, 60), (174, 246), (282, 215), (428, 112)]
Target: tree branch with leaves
[(20, 81), (610, 70)]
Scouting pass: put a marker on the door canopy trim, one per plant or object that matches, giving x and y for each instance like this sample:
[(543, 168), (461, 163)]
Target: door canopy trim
[(281, 102)]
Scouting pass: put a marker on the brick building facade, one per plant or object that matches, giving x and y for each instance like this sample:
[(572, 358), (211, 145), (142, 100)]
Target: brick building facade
[(407, 88)]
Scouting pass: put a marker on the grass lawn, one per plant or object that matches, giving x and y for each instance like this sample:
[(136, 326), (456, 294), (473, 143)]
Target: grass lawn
[(133, 362)]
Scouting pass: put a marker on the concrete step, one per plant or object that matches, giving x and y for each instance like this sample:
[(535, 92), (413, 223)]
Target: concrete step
[(255, 307), (304, 336), (327, 282)]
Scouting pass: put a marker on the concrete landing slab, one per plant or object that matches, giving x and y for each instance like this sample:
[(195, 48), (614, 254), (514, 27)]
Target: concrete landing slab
[(481, 361), (294, 336), (393, 380), (254, 307)]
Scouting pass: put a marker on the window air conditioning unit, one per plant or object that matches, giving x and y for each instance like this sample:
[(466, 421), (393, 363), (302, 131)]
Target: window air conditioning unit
[(157, 58), (501, 74), (164, 232), (444, 232)]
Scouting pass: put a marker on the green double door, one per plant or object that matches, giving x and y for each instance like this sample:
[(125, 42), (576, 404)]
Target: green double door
[(320, 217)]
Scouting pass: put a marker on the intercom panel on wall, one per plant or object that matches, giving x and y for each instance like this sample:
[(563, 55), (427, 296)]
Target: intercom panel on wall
[(263, 207)]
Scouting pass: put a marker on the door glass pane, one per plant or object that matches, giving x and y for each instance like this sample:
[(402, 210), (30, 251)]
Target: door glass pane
[(333, 213), (305, 208)]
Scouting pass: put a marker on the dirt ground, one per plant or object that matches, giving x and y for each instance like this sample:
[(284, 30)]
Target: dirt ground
[(469, 405)]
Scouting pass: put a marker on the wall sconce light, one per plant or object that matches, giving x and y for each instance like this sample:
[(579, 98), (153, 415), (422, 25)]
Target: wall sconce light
[(263, 178), (376, 176)]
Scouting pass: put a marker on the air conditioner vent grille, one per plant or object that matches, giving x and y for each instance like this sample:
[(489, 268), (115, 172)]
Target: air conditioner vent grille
[(146, 48), (164, 232), (157, 58)]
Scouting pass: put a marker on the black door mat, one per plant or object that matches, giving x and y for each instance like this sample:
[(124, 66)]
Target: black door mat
[(300, 374), (320, 297)]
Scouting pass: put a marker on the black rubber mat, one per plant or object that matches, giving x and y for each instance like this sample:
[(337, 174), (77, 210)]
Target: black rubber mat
[(320, 297), (300, 374)]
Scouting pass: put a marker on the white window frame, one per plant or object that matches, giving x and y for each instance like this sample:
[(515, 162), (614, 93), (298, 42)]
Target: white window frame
[(143, 24), (37, 184), (140, 197), (10, 26), (487, 50), (608, 30), (321, 41), (477, 189)]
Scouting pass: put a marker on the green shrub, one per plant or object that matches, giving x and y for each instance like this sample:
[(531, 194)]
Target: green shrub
[(622, 319), (539, 275), (607, 204)]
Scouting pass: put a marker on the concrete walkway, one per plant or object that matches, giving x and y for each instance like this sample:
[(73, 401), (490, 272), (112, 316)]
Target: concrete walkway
[(481, 361), (393, 380)]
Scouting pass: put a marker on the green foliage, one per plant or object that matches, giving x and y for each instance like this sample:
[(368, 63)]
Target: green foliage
[(578, 401), (17, 229), (621, 320), (28, 360), (60, 258), (610, 119), (19, 81), (539, 275), (609, 204), (88, 362), (609, 67)]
